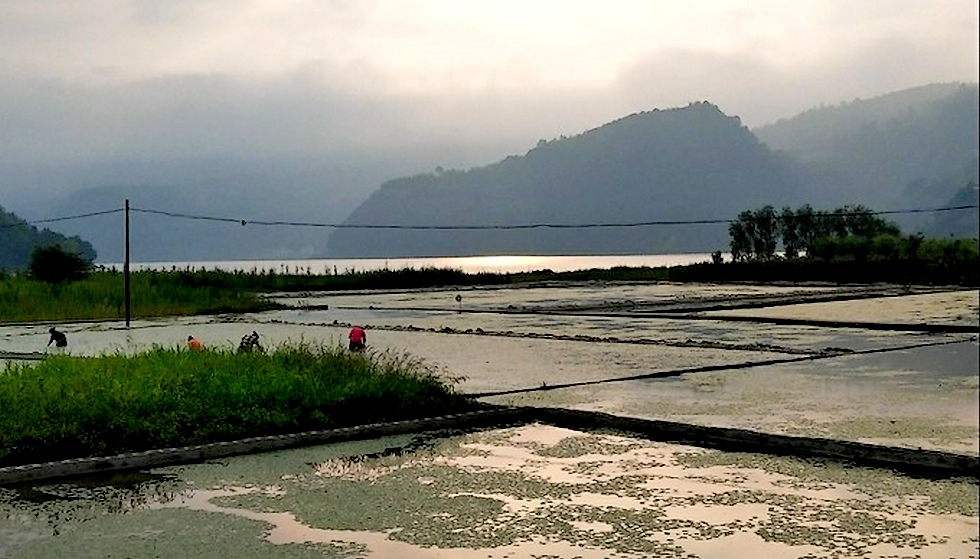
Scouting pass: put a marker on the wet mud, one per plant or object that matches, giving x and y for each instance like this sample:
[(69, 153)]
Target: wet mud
[(541, 491), (533, 491)]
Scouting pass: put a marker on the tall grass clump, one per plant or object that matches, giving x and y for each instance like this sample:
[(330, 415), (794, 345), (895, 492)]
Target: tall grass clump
[(100, 296), (65, 406)]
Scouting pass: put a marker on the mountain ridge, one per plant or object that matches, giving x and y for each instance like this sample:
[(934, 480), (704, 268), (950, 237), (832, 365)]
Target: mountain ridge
[(639, 168), (907, 149)]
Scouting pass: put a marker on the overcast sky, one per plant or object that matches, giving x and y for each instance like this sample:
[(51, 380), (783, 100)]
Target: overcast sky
[(92, 80)]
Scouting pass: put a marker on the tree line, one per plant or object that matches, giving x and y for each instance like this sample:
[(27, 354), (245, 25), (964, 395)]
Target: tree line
[(852, 230), (848, 244)]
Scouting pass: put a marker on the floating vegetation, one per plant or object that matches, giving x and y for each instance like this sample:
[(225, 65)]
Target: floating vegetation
[(942, 496), (532, 491)]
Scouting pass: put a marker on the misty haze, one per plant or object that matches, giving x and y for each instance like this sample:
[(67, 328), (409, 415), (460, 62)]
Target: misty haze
[(650, 114)]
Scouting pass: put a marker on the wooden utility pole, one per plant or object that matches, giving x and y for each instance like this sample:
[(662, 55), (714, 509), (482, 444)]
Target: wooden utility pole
[(126, 267)]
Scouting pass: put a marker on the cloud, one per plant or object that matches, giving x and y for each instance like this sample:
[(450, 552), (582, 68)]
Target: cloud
[(447, 82), (761, 90)]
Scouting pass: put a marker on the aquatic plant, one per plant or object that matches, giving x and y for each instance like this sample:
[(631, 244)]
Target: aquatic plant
[(66, 406)]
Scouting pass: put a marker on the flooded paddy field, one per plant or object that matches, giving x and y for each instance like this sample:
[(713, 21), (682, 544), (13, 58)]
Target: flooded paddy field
[(524, 492), (955, 307), (539, 491)]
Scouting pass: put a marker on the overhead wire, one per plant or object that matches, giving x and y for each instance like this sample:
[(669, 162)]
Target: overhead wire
[(595, 225), (64, 218), (521, 226)]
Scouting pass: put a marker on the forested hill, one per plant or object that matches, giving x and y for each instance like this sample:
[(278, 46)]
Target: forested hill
[(915, 148), (18, 239), (692, 163)]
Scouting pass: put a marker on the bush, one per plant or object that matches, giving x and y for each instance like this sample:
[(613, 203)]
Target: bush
[(52, 264)]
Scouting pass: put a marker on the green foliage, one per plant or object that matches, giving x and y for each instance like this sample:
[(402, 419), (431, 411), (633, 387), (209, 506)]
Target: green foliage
[(19, 239), (100, 296), (854, 259), (755, 234), (67, 406), (53, 264), (847, 238)]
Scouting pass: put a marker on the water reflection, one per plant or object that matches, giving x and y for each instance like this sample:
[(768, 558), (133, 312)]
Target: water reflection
[(469, 264)]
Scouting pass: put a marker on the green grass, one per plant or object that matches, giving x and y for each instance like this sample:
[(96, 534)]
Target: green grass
[(65, 407), (193, 292), (101, 297)]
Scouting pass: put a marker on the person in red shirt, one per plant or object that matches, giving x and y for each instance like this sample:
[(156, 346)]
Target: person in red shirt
[(194, 343), (358, 338)]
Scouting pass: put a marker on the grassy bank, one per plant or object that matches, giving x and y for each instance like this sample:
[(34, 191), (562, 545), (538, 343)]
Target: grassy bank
[(193, 292), (66, 407), (190, 292), (101, 296)]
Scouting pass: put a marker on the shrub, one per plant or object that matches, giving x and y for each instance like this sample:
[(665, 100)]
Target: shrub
[(52, 264)]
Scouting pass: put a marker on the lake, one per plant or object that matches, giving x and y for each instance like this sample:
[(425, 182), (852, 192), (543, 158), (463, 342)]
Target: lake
[(468, 264)]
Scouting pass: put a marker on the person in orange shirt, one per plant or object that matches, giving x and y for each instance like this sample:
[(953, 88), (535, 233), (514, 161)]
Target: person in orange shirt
[(194, 343), (358, 338)]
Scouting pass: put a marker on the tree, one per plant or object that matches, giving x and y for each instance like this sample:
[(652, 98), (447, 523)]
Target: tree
[(861, 221), (848, 232), (52, 264), (739, 230), (790, 227), (754, 235), (766, 230)]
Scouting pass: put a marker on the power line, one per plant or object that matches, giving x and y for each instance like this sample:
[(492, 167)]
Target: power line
[(598, 225), (65, 218), (524, 226)]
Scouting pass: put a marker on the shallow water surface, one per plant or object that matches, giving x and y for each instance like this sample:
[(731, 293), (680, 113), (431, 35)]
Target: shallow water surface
[(543, 492), (533, 491)]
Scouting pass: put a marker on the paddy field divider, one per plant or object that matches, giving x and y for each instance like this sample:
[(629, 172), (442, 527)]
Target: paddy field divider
[(912, 461)]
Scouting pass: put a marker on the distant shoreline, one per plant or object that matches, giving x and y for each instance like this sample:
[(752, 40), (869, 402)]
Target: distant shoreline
[(501, 264)]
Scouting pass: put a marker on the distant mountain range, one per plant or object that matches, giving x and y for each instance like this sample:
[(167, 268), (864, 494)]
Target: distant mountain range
[(908, 150), (916, 148)]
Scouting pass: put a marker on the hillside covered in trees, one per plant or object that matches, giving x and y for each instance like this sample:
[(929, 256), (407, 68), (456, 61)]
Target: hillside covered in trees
[(912, 149), (19, 239), (679, 164), (915, 148)]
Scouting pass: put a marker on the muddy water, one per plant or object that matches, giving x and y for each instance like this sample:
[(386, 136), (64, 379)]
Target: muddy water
[(538, 491), (929, 400), (533, 491), (957, 307), (925, 396)]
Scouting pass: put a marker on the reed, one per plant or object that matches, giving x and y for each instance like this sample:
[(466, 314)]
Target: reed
[(66, 406)]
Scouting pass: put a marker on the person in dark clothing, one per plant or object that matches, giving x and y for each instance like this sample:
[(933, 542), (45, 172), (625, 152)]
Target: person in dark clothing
[(59, 339), (250, 342)]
